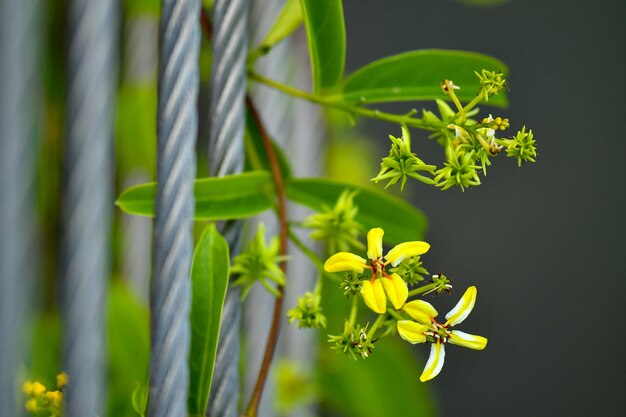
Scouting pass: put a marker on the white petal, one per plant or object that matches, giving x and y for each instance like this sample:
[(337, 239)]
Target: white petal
[(462, 309), (434, 363)]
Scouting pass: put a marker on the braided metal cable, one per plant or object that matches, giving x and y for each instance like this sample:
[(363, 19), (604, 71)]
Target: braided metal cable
[(170, 296), (19, 105), (87, 199), (225, 156)]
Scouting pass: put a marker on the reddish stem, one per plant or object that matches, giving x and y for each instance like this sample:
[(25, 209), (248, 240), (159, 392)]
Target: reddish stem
[(270, 348)]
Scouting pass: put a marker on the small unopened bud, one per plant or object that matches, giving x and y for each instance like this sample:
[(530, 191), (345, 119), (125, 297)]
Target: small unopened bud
[(308, 312)]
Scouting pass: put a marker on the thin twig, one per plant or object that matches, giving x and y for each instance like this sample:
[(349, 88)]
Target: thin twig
[(272, 339)]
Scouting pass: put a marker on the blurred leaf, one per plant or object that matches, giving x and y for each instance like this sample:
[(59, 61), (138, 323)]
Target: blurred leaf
[(385, 384), (230, 197), (401, 221), (289, 19), (140, 399), (129, 348), (417, 75), (46, 349), (142, 7), (326, 35), (135, 138), (256, 157), (209, 280)]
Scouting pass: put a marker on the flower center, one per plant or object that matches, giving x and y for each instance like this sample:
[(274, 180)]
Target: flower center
[(438, 332), (378, 268)]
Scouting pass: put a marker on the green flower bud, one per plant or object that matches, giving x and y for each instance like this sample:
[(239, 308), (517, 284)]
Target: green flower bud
[(460, 170), (259, 263), (308, 312), (491, 82), (411, 270), (337, 225), (353, 342), (522, 146), (402, 163), (351, 284), (442, 283)]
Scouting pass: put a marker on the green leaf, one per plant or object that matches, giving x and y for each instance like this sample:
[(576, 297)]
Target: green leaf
[(286, 23), (129, 347), (229, 197), (256, 157), (417, 75), (326, 35), (209, 280), (139, 399), (401, 221), (385, 384)]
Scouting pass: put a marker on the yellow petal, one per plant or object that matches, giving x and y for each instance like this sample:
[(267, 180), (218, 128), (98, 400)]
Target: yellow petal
[(374, 296), (420, 311), (405, 250), (375, 243), (396, 290), (462, 309), (345, 261), (467, 340), (411, 331), (434, 363)]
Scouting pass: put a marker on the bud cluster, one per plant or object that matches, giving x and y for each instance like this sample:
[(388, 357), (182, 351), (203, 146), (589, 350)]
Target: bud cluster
[(259, 263), (469, 144), (402, 163), (353, 342), (337, 226), (308, 312)]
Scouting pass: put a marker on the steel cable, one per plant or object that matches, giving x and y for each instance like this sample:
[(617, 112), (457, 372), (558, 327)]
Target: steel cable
[(20, 30), (225, 156), (87, 199), (177, 125)]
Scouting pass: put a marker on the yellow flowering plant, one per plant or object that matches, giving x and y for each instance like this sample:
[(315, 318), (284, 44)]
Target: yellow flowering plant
[(414, 320), (41, 400)]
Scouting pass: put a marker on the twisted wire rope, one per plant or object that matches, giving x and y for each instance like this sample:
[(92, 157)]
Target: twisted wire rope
[(87, 199), (20, 24), (225, 156), (177, 126)]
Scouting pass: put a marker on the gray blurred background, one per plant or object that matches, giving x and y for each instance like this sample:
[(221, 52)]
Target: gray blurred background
[(544, 243)]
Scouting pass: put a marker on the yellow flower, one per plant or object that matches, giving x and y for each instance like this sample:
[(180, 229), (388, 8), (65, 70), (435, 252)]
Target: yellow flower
[(37, 388), (31, 405), (55, 398), (27, 387), (62, 380), (376, 291), (426, 329)]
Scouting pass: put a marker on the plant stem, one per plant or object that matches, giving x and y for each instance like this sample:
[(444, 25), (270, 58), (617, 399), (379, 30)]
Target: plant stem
[(474, 102), (315, 260), (457, 103), (423, 289), (272, 339), (353, 311), (393, 313), (372, 331), (330, 101)]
